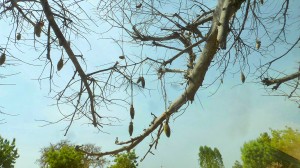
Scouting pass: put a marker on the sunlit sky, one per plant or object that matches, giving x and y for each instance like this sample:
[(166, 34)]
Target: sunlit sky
[(236, 113)]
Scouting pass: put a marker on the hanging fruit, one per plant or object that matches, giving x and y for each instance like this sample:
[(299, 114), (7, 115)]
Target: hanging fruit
[(41, 23), (243, 78), (142, 80), (122, 57), (131, 111), (60, 64), (167, 129), (2, 58), (262, 1), (130, 129), (19, 36), (258, 43), (38, 28), (138, 6)]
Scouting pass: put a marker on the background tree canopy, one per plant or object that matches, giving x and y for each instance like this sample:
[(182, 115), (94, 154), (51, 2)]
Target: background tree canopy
[(64, 154), (281, 147), (237, 164), (125, 160), (278, 150), (189, 44), (8, 153), (210, 158)]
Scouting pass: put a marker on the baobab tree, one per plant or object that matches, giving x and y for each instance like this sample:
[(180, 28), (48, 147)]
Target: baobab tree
[(182, 39)]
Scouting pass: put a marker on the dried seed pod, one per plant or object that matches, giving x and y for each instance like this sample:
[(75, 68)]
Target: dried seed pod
[(167, 129), (122, 57), (142, 80), (2, 58), (60, 64), (131, 111), (130, 129), (41, 23), (19, 36), (38, 28), (138, 6), (258, 43), (243, 78)]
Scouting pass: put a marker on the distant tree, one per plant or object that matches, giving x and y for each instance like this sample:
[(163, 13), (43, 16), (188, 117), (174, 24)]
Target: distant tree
[(61, 155), (210, 158), (90, 160), (287, 140), (64, 154), (258, 153), (237, 164), (8, 153), (279, 149), (125, 160)]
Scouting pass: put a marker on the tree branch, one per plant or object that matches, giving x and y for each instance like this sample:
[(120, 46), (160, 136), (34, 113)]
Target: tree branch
[(197, 76), (71, 55), (268, 82)]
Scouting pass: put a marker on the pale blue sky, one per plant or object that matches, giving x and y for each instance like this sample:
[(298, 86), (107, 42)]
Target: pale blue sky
[(226, 121), (235, 114)]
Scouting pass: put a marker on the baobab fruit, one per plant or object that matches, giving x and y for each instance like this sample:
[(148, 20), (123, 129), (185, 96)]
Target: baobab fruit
[(142, 80), (243, 78), (60, 64), (38, 28), (41, 23), (130, 129), (138, 6), (131, 111), (167, 129), (258, 43), (19, 36), (2, 58), (122, 57)]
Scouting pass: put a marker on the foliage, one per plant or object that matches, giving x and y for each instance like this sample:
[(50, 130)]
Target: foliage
[(61, 155), (125, 160), (258, 153), (287, 140), (210, 158), (8, 153), (64, 154), (93, 161), (275, 165), (237, 164), (279, 149)]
